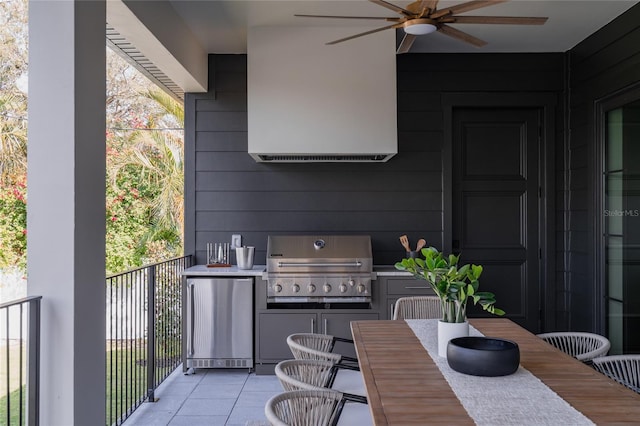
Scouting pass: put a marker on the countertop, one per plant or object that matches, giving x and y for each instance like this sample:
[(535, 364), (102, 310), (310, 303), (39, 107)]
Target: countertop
[(258, 270), (232, 271), (389, 271)]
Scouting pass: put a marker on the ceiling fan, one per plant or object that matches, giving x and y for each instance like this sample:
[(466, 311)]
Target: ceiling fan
[(423, 17)]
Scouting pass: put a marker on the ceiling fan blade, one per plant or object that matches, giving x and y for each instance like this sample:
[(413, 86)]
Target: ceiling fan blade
[(406, 43), (419, 5), (457, 34), (349, 17), (363, 34), (393, 7), (509, 20), (429, 4), (465, 7)]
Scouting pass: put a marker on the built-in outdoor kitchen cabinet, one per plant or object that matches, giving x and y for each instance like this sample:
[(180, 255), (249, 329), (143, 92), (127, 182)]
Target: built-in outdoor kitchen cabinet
[(273, 329), (397, 287), (274, 325)]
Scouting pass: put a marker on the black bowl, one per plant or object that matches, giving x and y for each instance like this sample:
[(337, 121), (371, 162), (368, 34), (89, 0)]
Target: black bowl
[(483, 356)]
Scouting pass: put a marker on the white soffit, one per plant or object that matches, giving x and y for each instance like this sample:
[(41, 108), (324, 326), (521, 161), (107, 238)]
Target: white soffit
[(158, 34)]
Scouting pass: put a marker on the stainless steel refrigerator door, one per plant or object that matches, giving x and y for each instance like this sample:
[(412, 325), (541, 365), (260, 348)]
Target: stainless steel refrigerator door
[(220, 318)]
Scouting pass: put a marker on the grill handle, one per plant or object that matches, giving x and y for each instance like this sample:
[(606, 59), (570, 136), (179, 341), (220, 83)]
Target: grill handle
[(355, 264)]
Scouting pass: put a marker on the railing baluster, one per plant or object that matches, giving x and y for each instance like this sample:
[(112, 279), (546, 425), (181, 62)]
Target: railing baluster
[(151, 338), (25, 407), (33, 358), (8, 369), (20, 378)]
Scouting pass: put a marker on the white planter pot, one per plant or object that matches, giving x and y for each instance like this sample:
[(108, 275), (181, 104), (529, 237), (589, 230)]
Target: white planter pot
[(448, 331)]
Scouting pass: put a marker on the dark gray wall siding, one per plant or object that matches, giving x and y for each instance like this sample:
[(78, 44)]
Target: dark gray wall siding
[(604, 63), (229, 193)]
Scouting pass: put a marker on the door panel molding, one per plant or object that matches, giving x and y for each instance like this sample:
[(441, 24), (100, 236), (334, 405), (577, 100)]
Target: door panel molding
[(546, 104)]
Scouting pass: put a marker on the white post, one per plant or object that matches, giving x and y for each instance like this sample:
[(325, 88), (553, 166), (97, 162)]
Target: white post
[(66, 204)]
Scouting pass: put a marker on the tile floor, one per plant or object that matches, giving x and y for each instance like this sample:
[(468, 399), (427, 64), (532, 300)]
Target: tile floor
[(211, 397)]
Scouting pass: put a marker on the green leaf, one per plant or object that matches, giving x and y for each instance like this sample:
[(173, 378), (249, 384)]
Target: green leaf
[(463, 270), (477, 270), (430, 263)]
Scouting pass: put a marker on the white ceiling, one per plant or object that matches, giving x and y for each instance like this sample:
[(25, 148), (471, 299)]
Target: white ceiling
[(221, 25)]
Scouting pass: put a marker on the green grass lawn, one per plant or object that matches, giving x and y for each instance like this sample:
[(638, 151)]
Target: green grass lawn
[(10, 369), (126, 378), (126, 381), (14, 404)]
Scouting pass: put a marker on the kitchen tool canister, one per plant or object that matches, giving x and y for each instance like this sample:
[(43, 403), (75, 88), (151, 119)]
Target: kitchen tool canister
[(244, 257)]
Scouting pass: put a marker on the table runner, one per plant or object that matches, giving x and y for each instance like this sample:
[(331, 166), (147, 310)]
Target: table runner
[(518, 399)]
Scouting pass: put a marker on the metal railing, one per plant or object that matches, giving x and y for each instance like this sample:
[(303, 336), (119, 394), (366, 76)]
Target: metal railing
[(143, 345), (20, 361)]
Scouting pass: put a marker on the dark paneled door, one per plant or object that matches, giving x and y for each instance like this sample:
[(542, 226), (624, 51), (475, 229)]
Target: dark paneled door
[(495, 204)]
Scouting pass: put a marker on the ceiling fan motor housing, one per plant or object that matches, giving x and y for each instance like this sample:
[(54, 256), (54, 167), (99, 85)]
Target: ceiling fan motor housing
[(419, 26)]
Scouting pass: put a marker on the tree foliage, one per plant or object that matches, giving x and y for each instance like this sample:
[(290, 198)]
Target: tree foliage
[(144, 182), (144, 170)]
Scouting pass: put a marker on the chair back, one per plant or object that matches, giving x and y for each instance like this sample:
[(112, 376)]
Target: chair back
[(313, 346), (582, 346), (299, 374), (418, 307), (624, 369), (304, 408)]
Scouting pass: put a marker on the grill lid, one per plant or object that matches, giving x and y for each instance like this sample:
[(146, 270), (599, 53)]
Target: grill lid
[(318, 253)]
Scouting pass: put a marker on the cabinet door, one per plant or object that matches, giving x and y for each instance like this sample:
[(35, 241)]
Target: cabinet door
[(408, 287), (401, 287), (273, 330), (339, 325)]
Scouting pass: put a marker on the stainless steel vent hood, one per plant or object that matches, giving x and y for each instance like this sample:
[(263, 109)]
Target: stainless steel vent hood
[(309, 102)]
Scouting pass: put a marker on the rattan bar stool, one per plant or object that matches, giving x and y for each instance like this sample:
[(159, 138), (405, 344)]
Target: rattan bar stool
[(318, 346), (624, 369), (417, 307), (311, 374), (582, 346), (305, 408)]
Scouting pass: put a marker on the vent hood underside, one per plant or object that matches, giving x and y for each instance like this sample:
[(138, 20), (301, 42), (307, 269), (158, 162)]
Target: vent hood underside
[(309, 102), (299, 158)]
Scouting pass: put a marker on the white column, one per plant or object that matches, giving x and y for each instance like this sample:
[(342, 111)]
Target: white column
[(66, 205)]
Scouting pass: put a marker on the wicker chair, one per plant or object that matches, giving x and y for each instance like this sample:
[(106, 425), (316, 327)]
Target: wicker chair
[(418, 307), (310, 374), (304, 408), (624, 369), (582, 346), (318, 346)]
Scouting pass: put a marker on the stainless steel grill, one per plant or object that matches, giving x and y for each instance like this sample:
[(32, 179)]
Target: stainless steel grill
[(325, 269)]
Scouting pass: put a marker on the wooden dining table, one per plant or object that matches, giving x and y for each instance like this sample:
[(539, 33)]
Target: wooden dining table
[(405, 386)]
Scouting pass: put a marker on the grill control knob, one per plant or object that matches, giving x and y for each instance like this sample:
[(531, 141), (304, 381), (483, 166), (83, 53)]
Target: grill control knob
[(361, 288), (277, 288), (311, 288), (326, 287), (295, 288), (343, 288), (351, 282)]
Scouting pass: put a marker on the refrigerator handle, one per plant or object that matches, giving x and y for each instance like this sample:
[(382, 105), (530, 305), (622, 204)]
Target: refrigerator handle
[(191, 319)]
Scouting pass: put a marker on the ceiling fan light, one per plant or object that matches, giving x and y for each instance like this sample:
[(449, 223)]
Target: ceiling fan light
[(419, 27)]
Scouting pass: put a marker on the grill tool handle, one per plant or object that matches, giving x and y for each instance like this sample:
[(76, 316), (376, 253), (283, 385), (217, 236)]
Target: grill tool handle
[(355, 264)]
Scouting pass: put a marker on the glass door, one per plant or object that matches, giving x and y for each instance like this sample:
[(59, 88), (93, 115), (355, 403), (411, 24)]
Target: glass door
[(621, 226)]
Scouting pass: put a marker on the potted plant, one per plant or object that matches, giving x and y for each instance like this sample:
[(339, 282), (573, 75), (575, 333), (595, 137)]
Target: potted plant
[(455, 286)]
